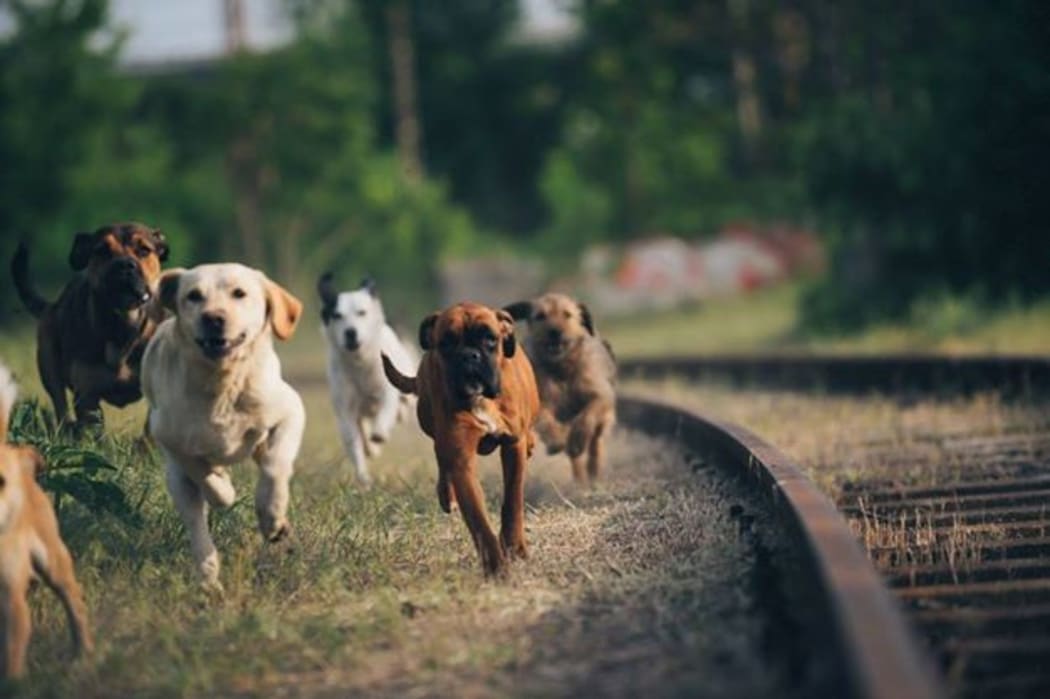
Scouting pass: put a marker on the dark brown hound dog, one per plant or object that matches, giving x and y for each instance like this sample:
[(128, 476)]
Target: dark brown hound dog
[(92, 338)]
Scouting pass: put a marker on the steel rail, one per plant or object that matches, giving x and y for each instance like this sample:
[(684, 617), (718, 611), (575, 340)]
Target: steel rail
[(901, 373), (854, 616)]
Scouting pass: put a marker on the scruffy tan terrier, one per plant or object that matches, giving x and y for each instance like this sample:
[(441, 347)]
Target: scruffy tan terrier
[(30, 546)]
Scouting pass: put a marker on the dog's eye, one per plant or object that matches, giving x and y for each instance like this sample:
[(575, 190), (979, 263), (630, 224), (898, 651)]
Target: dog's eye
[(540, 317), (567, 314), (361, 313), (335, 315), (489, 344), (143, 250), (239, 293), (195, 296)]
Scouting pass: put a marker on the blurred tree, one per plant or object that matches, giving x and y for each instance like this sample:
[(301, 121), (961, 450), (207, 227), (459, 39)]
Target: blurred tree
[(69, 161), (926, 160), (490, 106)]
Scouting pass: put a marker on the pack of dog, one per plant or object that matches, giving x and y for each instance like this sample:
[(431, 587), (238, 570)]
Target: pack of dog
[(199, 345)]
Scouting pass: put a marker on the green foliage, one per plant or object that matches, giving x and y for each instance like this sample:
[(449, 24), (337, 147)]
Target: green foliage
[(929, 169), (73, 470)]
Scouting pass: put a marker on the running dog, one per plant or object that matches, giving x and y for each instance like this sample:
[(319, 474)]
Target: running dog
[(476, 393), (216, 397), (366, 406), (92, 338), (30, 547), (576, 373)]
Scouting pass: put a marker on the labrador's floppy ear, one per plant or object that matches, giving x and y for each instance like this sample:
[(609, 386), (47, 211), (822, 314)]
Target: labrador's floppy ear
[(329, 296), (284, 309), (520, 310), (80, 253), (585, 318), (426, 332), (506, 326), (160, 244)]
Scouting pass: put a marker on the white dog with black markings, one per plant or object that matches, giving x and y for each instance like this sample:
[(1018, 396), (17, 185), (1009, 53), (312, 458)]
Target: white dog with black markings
[(366, 406), (216, 397)]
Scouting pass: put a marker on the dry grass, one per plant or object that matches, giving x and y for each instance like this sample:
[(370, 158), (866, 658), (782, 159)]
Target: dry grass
[(846, 444)]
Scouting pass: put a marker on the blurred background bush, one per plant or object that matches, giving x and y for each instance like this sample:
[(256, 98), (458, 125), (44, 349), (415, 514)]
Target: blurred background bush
[(389, 137)]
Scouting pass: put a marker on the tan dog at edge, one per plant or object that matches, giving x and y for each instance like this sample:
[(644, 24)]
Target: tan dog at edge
[(216, 396), (576, 373), (30, 546), (476, 393)]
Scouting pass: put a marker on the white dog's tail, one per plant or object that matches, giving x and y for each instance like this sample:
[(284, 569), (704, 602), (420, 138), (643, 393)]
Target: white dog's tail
[(405, 384), (8, 393)]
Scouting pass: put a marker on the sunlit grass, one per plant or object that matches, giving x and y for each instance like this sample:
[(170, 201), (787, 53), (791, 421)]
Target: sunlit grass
[(768, 320)]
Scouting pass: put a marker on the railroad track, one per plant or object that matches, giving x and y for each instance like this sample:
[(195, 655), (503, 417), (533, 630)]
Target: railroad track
[(848, 619), (966, 553)]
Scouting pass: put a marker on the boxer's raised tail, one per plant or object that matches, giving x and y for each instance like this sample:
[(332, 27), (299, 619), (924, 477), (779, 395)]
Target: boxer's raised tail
[(405, 384)]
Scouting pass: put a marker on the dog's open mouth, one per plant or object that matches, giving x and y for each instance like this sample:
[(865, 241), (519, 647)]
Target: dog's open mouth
[(219, 347), (554, 348), (352, 345)]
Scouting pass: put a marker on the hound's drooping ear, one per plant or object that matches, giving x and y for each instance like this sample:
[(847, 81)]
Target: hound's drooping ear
[(521, 310), (506, 326), (426, 332), (585, 318), (369, 285), (329, 296), (167, 292), (284, 309), (160, 244), (80, 254)]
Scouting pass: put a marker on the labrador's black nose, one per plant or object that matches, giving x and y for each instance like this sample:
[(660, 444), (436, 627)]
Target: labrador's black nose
[(213, 322)]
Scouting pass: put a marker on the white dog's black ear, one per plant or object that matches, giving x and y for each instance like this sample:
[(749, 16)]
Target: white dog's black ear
[(585, 318), (369, 285), (426, 332), (521, 310), (506, 322), (329, 296), (80, 254)]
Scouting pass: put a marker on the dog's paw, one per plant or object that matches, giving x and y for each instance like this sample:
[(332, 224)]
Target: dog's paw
[(272, 528), (515, 550), (364, 481)]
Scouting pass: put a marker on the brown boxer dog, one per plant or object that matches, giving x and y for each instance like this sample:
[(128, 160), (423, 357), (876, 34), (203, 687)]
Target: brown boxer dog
[(92, 338), (476, 393), (576, 372)]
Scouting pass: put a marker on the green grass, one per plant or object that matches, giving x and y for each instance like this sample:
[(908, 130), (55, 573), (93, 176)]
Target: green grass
[(767, 320)]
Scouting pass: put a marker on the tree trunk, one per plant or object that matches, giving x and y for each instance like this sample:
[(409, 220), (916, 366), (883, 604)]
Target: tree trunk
[(406, 113), (745, 80)]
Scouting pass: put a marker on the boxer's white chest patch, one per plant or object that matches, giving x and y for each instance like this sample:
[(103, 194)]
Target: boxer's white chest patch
[(483, 414)]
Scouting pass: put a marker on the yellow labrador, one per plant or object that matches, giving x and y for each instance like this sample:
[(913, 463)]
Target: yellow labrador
[(216, 397)]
